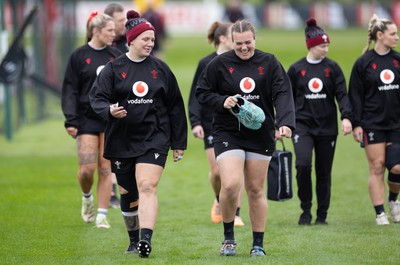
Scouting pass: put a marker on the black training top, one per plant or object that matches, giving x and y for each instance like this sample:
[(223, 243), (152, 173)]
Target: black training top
[(149, 92), (84, 64), (315, 88), (261, 80), (197, 114), (374, 91)]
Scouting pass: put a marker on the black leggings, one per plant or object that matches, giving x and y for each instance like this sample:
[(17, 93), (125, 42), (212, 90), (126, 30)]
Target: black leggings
[(324, 149)]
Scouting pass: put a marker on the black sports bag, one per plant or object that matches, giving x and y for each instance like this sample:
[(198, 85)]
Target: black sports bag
[(280, 175)]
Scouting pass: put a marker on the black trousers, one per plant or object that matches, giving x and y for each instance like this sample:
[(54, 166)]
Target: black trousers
[(324, 149)]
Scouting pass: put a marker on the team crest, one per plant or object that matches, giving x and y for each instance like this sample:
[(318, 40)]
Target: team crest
[(387, 76), (371, 136), (140, 89), (315, 85), (247, 85), (98, 70)]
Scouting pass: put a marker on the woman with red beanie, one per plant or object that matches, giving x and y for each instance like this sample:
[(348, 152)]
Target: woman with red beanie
[(317, 82), (139, 97)]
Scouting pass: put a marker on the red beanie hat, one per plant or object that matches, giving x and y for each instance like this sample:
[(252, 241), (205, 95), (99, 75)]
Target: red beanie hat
[(314, 34), (135, 25)]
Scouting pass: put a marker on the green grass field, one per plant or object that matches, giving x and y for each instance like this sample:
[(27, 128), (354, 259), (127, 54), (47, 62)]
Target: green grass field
[(40, 198)]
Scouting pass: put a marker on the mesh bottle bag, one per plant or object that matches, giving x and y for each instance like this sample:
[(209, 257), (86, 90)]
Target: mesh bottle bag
[(248, 113)]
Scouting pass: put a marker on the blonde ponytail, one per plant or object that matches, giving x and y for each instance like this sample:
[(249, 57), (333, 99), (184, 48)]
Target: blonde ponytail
[(375, 25)]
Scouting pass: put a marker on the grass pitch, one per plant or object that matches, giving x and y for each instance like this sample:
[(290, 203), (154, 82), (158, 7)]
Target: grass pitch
[(40, 198)]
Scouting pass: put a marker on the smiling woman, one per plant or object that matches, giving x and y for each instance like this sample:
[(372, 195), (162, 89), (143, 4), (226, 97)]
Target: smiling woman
[(139, 97), (259, 77)]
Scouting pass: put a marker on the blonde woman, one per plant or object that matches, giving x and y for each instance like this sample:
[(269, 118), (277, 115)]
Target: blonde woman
[(81, 122), (375, 96)]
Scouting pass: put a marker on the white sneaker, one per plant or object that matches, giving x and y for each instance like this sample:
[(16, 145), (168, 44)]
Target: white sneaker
[(101, 221), (87, 210), (381, 219), (238, 221), (394, 211)]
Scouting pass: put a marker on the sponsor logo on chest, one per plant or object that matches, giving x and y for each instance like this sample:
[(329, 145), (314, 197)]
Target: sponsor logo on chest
[(387, 77), (247, 85), (140, 89), (315, 85)]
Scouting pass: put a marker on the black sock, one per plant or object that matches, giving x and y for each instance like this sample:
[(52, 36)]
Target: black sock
[(238, 211), (146, 234), (379, 209), (258, 239), (393, 196), (133, 236), (228, 231), (217, 197)]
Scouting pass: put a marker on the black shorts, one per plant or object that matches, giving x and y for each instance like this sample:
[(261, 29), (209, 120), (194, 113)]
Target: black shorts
[(221, 147), (127, 165), (91, 125), (371, 136)]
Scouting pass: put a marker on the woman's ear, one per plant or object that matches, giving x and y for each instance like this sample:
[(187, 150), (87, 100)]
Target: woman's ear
[(95, 30), (379, 35)]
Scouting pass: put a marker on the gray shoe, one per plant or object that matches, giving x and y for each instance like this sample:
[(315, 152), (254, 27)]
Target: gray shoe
[(228, 248), (257, 251)]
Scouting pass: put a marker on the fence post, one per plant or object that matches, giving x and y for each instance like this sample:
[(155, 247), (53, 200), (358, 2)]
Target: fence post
[(7, 94)]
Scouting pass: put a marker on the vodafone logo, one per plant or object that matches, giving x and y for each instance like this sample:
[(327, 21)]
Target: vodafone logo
[(387, 76), (247, 85), (98, 70), (140, 89), (315, 85)]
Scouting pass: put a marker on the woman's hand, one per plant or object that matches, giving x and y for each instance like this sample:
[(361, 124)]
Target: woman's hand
[(198, 131), (346, 126), (278, 136), (178, 154), (230, 102), (285, 131), (117, 112), (358, 134), (72, 131)]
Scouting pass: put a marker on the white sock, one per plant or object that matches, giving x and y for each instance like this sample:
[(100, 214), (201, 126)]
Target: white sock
[(102, 211), (87, 196)]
